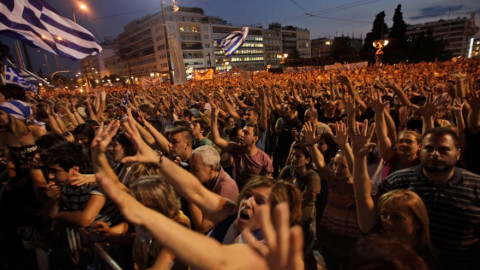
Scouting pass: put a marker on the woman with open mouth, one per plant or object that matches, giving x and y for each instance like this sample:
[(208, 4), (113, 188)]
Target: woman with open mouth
[(230, 218)]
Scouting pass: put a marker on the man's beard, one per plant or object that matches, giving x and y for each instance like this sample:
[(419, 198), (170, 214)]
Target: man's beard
[(438, 168)]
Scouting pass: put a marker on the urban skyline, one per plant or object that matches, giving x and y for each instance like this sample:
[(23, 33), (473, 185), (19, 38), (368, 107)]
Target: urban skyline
[(322, 18)]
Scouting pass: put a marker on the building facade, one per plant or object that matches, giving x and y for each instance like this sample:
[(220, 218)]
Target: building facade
[(457, 33), (142, 49), (272, 41), (321, 48), (94, 67)]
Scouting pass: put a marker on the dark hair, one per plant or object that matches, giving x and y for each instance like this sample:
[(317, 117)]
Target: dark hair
[(187, 133), (256, 130), (253, 110), (180, 123), (85, 130), (442, 131), (302, 147), (228, 117), (128, 146), (13, 91), (67, 155), (48, 140), (146, 108), (203, 125), (232, 133)]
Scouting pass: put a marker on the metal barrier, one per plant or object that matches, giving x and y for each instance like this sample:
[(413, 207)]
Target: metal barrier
[(87, 249)]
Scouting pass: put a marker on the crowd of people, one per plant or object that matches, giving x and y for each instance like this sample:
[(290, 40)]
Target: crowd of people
[(367, 168)]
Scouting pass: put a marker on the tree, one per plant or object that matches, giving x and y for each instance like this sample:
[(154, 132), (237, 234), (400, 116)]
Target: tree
[(5, 52), (426, 48), (378, 32), (396, 50), (342, 49)]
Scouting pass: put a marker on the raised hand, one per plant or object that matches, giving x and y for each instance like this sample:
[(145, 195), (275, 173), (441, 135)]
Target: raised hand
[(283, 246), (403, 116), (104, 137), (349, 104), (343, 79), (429, 108), (457, 105), (374, 100), (309, 130), (473, 99), (340, 136), (145, 154), (361, 144)]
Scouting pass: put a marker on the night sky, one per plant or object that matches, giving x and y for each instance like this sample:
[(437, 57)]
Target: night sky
[(328, 18)]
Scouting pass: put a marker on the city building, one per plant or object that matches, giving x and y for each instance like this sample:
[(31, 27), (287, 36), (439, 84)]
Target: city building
[(249, 57), (321, 48), (94, 67), (141, 49), (476, 48), (458, 34), (272, 41)]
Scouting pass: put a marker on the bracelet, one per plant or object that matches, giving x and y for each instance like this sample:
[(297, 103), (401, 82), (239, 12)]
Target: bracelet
[(160, 157)]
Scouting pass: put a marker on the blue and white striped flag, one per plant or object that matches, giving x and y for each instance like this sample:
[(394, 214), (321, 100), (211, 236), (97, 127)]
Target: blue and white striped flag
[(37, 23), (29, 77), (11, 76), (231, 42)]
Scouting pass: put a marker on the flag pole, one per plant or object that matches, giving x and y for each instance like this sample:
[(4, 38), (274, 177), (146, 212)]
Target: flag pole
[(164, 20)]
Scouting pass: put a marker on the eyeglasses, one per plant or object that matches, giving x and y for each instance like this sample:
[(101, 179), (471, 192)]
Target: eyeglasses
[(394, 218)]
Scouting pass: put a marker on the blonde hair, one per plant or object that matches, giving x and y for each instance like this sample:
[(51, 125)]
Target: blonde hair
[(141, 169), (17, 126), (416, 208), (155, 193), (281, 192)]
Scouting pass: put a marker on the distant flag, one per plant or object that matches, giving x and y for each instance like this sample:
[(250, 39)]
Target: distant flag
[(234, 40), (28, 76), (13, 77), (175, 6), (39, 24)]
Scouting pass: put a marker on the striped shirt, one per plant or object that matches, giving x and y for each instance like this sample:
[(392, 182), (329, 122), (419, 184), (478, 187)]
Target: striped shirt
[(76, 198), (453, 210)]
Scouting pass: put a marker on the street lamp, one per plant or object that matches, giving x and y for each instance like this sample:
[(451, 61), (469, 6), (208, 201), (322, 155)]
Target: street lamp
[(379, 45), (283, 57), (81, 6)]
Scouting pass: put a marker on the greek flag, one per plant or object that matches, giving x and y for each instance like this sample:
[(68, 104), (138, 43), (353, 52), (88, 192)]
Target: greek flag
[(39, 24), (11, 76), (231, 42), (29, 77)]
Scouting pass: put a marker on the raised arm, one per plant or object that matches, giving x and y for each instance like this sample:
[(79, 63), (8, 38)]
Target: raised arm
[(427, 111), (457, 109), (385, 144), (367, 215), (346, 81), (399, 92), (341, 139), (317, 156), (228, 106), (215, 207), (217, 139), (473, 118), (99, 145), (191, 247)]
